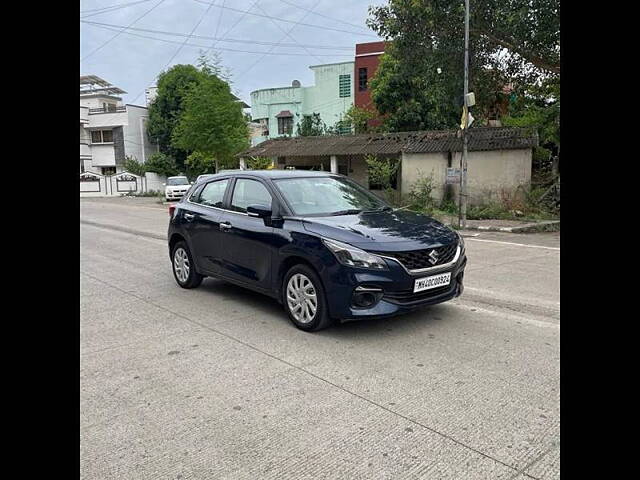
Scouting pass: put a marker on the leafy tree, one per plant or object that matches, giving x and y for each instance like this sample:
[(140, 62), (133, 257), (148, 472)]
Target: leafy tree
[(132, 165), (167, 108), (199, 163), (162, 164), (311, 126), (212, 121), (358, 119), (259, 163), (420, 79)]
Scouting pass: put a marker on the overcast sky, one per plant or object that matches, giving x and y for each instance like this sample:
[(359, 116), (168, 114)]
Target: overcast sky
[(133, 63)]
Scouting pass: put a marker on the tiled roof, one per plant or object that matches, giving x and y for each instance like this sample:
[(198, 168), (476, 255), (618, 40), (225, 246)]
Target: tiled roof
[(284, 113), (480, 138)]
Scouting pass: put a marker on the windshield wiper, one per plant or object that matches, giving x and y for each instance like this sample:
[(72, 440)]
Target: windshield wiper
[(353, 211), (381, 209)]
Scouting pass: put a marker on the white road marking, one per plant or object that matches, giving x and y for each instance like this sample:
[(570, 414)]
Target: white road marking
[(512, 243)]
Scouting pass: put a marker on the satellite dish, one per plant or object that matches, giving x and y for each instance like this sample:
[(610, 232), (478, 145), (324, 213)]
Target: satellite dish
[(295, 83)]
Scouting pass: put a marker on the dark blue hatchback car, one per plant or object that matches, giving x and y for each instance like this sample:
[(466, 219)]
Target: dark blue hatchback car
[(319, 243)]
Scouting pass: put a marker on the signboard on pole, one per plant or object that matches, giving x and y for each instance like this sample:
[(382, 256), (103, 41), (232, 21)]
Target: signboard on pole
[(453, 176)]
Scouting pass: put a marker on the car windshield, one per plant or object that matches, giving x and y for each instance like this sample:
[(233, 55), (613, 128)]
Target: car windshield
[(327, 196), (178, 181)]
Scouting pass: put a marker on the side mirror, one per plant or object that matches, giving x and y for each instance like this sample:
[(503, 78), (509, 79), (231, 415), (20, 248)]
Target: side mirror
[(191, 183), (261, 211)]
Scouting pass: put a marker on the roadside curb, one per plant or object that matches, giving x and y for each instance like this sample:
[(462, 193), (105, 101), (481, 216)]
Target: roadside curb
[(120, 228), (545, 226)]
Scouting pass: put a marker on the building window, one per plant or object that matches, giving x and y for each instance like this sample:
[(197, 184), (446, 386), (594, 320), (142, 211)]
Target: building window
[(108, 170), (362, 79), (285, 125), (345, 86), (101, 136)]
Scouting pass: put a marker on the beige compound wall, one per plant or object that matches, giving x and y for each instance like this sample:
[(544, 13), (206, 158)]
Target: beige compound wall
[(490, 173)]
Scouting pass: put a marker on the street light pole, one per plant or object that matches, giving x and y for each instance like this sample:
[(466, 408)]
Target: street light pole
[(462, 217)]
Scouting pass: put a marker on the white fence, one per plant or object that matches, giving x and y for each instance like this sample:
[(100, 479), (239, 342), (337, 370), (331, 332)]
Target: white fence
[(125, 183)]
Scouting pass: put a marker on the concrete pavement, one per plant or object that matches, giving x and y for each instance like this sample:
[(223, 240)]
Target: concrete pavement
[(216, 383)]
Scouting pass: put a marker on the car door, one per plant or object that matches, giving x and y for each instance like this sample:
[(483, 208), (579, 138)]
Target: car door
[(247, 242), (202, 224)]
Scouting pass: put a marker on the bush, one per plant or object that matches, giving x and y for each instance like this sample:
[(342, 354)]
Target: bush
[(421, 192), (132, 165), (259, 163), (162, 165)]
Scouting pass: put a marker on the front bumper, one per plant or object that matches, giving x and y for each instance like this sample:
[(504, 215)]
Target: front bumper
[(397, 286), (174, 195)]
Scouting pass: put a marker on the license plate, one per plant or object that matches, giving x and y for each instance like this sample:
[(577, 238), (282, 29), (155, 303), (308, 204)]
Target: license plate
[(433, 281)]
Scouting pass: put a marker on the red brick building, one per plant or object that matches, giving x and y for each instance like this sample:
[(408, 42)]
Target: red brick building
[(366, 63)]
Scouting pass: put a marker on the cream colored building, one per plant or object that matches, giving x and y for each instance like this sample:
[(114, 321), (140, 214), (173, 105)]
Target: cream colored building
[(499, 160)]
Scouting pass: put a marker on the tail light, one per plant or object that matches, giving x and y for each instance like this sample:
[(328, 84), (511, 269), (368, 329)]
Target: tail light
[(172, 208)]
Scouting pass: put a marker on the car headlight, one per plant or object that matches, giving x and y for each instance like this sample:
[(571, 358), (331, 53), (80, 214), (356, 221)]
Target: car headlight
[(462, 246), (354, 257)]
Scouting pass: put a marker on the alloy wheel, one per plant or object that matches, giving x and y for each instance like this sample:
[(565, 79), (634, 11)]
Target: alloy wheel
[(181, 264), (301, 298)]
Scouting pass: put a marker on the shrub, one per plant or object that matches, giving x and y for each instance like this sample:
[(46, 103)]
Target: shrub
[(132, 165), (162, 164), (259, 163), (421, 192)]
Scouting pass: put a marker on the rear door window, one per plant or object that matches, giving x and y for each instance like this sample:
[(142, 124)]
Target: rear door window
[(212, 194)]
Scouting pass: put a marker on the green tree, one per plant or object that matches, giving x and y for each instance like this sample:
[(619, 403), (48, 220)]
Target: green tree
[(311, 126), (420, 79), (212, 121), (199, 163), (358, 119), (167, 108), (162, 164)]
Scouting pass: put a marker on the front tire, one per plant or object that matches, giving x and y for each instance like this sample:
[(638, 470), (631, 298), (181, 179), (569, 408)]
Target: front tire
[(184, 268), (304, 299)]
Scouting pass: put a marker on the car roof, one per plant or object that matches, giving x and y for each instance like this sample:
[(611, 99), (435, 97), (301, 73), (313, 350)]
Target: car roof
[(275, 173)]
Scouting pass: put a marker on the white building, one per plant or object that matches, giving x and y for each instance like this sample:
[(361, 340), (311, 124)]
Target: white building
[(110, 130)]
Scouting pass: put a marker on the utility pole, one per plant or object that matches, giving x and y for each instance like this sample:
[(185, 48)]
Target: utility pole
[(462, 216)]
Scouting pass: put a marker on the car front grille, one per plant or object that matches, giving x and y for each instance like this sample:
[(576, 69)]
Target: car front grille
[(419, 259), (407, 297)]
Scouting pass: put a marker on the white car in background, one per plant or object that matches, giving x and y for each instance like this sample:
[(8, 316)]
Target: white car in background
[(176, 187)]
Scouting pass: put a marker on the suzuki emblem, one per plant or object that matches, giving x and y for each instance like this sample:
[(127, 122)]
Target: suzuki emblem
[(433, 257)]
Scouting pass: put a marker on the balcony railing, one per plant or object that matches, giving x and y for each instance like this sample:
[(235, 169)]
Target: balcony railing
[(107, 110)]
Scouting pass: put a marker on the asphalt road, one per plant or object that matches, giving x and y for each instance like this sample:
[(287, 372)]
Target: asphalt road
[(216, 383)]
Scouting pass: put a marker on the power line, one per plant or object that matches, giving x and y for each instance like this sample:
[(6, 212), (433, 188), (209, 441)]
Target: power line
[(118, 34), (291, 21), (289, 35), (324, 16), (285, 36), (220, 39), (226, 49), (112, 8), (181, 46)]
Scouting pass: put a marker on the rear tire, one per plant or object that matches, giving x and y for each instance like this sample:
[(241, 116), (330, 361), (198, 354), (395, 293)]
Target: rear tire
[(183, 266), (304, 299)]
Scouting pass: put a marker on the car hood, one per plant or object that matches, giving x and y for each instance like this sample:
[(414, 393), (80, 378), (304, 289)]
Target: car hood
[(383, 231)]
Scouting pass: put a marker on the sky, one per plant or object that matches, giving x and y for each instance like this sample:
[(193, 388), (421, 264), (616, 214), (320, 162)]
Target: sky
[(133, 62)]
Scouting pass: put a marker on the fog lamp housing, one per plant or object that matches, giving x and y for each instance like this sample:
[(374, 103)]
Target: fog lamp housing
[(366, 297)]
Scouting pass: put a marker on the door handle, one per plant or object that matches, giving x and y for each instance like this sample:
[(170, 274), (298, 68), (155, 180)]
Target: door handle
[(225, 226), (189, 216)]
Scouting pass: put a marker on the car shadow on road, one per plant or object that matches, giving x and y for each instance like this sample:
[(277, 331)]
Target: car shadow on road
[(409, 323)]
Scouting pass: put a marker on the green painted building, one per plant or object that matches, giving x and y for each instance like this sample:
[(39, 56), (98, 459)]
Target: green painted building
[(279, 110)]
